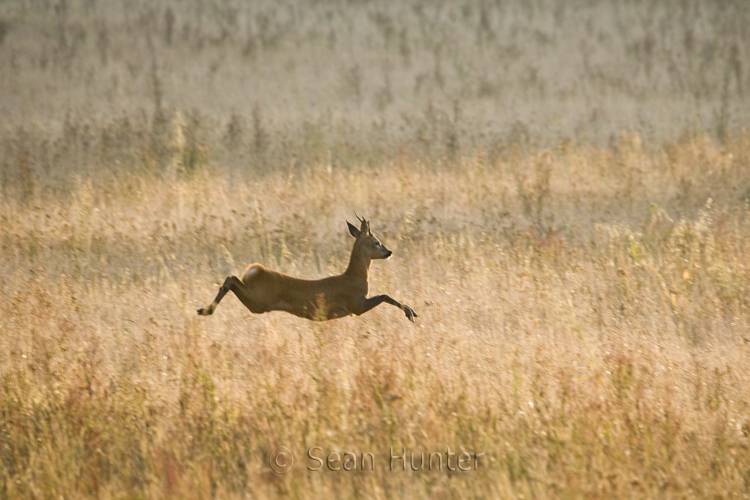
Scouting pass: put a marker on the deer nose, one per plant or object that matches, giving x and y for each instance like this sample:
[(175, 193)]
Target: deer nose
[(388, 254)]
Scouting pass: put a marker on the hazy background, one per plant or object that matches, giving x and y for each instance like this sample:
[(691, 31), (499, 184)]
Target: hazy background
[(287, 80)]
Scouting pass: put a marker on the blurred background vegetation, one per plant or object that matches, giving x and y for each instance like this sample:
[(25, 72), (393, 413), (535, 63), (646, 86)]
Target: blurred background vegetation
[(89, 84)]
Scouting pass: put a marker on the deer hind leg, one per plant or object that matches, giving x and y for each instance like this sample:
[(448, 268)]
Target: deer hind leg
[(206, 311), (242, 291), (232, 284)]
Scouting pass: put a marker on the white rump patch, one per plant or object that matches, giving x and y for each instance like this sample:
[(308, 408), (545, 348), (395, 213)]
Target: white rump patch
[(250, 274)]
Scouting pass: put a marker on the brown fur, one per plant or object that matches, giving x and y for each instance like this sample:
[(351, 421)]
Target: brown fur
[(263, 290)]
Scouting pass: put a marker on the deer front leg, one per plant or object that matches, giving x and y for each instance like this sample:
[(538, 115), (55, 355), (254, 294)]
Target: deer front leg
[(229, 284), (379, 299)]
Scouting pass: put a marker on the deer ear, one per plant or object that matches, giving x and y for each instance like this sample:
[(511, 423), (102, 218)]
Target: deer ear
[(353, 230)]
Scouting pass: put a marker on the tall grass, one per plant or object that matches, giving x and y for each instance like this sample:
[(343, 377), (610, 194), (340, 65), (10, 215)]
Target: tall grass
[(586, 349), (379, 78), (565, 186)]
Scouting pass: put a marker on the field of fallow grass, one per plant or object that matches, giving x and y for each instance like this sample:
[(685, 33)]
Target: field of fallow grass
[(565, 187), (583, 324)]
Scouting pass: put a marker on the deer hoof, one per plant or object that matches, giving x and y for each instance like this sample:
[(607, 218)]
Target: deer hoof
[(411, 314)]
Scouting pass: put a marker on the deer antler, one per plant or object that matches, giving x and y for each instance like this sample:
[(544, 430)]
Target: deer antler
[(365, 224)]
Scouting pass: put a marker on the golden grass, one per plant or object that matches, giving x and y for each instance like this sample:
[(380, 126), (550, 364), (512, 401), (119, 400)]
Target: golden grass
[(584, 319), (584, 311)]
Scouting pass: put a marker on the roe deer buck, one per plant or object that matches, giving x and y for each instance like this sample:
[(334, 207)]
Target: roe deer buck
[(262, 290)]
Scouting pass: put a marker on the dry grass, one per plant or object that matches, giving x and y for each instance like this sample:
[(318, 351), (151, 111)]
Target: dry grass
[(583, 292), (298, 79), (585, 353)]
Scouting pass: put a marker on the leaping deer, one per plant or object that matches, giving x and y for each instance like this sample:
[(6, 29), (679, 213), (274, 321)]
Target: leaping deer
[(262, 290)]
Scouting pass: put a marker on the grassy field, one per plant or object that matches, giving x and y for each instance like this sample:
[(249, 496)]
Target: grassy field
[(583, 354), (566, 189)]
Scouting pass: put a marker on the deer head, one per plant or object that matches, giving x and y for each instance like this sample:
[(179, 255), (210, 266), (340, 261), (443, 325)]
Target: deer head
[(372, 246)]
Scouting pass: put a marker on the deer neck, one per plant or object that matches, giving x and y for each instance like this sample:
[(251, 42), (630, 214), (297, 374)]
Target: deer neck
[(359, 263)]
